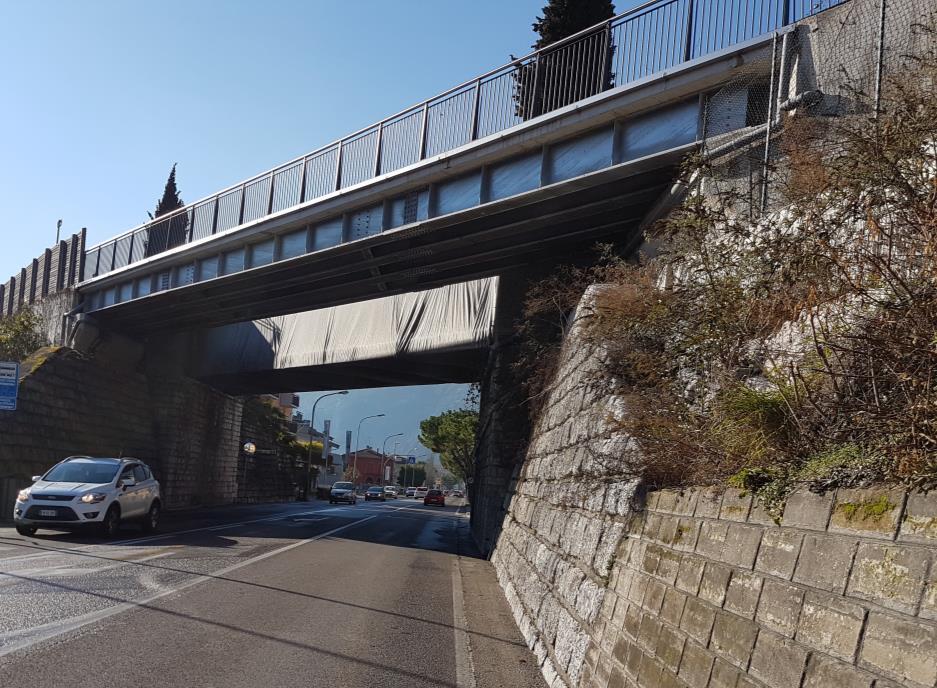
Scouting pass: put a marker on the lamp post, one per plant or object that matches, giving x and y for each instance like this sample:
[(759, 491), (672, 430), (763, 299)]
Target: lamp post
[(384, 453), (325, 445), (354, 468)]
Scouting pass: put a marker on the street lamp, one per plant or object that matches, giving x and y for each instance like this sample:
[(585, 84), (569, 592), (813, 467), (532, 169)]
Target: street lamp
[(384, 453), (354, 467), (325, 445)]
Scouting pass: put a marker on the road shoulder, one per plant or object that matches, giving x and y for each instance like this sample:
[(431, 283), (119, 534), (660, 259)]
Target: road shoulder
[(501, 658)]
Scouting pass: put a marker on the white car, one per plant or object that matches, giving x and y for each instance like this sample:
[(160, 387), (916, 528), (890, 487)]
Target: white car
[(420, 492), (82, 491), (343, 492)]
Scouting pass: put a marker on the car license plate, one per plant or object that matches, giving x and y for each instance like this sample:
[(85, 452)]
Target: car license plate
[(48, 512)]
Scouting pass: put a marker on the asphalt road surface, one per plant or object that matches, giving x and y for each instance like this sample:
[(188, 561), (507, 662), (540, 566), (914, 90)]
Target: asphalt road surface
[(377, 594)]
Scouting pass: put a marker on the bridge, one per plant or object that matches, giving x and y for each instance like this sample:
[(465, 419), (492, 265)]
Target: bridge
[(538, 158), (427, 212)]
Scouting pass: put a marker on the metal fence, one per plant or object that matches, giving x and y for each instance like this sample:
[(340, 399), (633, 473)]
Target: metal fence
[(637, 44)]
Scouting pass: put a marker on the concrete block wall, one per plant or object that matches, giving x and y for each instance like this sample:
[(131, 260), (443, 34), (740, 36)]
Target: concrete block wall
[(707, 591), (71, 403)]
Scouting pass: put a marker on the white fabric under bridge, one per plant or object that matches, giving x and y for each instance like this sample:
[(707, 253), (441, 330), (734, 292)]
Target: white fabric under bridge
[(452, 318)]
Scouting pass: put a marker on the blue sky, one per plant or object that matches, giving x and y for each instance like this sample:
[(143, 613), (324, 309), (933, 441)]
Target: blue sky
[(102, 97)]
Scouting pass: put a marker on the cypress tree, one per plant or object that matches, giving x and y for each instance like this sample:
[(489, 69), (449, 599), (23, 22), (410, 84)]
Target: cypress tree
[(566, 75), (172, 231)]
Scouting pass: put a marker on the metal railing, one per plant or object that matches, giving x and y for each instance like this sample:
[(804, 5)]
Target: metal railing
[(636, 44)]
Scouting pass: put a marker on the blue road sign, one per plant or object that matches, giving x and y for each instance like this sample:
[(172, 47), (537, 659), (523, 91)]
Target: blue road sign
[(9, 385), (411, 459)]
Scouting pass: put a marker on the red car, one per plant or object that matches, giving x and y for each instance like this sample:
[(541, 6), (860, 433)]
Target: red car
[(434, 497)]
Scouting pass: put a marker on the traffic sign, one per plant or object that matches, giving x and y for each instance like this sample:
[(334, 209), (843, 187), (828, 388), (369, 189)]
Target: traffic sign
[(411, 459), (9, 385)]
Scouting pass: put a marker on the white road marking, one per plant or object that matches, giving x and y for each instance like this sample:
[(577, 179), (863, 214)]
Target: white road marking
[(71, 570), (135, 541), (50, 630), (464, 667)]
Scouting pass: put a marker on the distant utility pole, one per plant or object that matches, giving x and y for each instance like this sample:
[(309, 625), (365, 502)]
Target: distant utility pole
[(58, 229)]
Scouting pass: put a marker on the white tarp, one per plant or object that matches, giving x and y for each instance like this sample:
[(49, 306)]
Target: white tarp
[(452, 318)]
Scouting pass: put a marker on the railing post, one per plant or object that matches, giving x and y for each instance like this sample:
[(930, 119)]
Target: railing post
[(214, 215), (338, 167), (133, 236), (302, 181), (377, 149), (423, 127), (241, 210), (273, 181), (688, 48), (476, 103), (536, 94), (606, 54)]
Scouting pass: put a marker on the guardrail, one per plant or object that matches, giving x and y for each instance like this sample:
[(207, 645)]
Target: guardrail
[(636, 44)]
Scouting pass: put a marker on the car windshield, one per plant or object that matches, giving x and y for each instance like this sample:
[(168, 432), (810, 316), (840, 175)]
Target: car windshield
[(342, 486), (376, 489), (434, 493), (97, 472)]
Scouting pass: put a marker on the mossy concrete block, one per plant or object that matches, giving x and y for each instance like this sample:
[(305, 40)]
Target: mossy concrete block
[(736, 505), (871, 512), (777, 662), (724, 675), (714, 583), (741, 545), (696, 666), (733, 638), (743, 593), (824, 672), (779, 607), (825, 562), (807, 510), (778, 553), (892, 576), (709, 502), (905, 650), (831, 625), (920, 519), (697, 620), (670, 647)]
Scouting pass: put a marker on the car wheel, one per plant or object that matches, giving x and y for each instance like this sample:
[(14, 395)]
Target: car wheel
[(151, 521), (111, 523), (26, 531)]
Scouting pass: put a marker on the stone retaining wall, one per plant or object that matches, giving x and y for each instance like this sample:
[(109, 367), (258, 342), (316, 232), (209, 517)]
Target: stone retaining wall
[(708, 591), (613, 588)]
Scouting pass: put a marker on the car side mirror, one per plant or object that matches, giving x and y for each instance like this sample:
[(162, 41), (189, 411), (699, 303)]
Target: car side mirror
[(37, 478), (127, 482)]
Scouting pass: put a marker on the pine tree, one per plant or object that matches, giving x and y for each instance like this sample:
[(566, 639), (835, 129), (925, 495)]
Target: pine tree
[(172, 231), (566, 74)]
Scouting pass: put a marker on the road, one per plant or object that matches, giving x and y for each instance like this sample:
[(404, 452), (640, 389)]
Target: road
[(376, 594)]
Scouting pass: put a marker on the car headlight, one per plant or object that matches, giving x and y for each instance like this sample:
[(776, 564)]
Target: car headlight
[(93, 497), (23, 495)]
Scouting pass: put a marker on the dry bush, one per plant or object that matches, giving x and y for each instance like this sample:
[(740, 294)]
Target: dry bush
[(799, 347)]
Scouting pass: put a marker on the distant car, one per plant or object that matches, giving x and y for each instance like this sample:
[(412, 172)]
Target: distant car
[(457, 493), (376, 492), (420, 492), (83, 490), (343, 492), (390, 492), (410, 491), (434, 497)]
